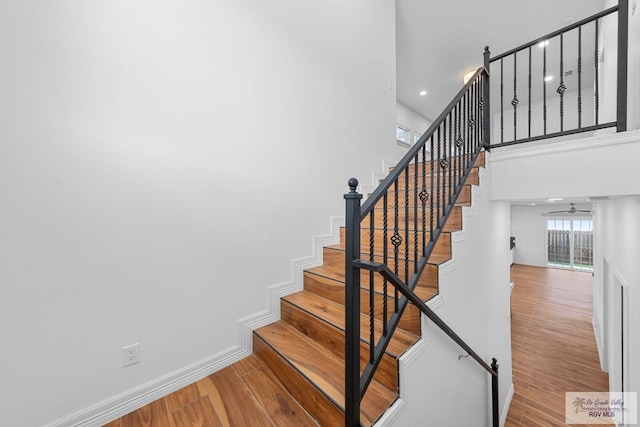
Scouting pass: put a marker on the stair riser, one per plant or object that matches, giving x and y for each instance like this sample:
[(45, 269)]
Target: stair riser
[(323, 409), (332, 338)]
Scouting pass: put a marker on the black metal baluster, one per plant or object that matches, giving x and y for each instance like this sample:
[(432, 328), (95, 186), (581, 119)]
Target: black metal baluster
[(385, 257), (580, 77), (544, 85), (371, 287), (529, 100), (431, 205), (562, 87), (444, 163), (450, 159), (595, 64), (438, 183), (406, 225), (501, 100), (415, 215), (396, 239), (515, 101), (424, 197)]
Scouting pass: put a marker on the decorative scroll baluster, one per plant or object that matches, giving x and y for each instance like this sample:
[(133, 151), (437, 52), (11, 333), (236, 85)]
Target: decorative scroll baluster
[(562, 88), (515, 101), (396, 239), (424, 196)]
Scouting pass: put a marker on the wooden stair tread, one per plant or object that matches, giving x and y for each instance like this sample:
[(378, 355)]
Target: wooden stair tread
[(336, 275), (334, 314), (435, 258), (322, 368)]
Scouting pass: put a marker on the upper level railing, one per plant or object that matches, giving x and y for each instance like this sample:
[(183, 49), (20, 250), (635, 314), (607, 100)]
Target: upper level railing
[(553, 86), (400, 224)]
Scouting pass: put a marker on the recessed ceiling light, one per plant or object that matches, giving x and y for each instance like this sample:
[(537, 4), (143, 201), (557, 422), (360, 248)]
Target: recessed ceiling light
[(423, 92), (543, 43), (548, 78)]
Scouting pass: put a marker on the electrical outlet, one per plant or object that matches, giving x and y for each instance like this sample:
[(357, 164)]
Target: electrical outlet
[(130, 354)]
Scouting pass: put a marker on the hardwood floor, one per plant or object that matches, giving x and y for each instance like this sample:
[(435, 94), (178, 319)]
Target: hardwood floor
[(554, 349), (243, 394)]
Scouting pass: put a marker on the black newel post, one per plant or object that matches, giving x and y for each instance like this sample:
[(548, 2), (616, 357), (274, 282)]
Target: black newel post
[(486, 110), (623, 47), (494, 394), (352, 306)]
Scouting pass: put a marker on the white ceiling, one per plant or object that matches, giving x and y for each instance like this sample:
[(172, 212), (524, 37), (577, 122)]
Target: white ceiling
[(438, 42)]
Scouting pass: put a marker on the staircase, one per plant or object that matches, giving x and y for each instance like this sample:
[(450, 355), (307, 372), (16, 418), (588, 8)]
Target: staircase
[(305, 349)]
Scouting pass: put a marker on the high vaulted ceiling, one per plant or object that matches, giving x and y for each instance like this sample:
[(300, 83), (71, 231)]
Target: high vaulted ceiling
[(438, 42)]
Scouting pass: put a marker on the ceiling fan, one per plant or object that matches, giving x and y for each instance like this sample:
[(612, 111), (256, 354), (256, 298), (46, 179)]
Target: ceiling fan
[(571, 210)]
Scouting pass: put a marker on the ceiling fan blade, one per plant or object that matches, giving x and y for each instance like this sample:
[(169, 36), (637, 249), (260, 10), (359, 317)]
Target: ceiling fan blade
[(558, 212)]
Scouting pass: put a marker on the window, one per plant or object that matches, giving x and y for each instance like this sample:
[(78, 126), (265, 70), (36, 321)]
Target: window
[(570, 243), (416, 137), (402, 134)]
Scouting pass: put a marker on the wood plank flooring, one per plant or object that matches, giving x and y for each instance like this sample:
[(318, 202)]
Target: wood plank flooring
[(243, 394), (554, 349)]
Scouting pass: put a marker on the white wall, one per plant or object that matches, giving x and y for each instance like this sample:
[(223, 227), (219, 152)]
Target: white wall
[(161, 164), (474, 290), (617, 240), (411, 120), (529, 225)]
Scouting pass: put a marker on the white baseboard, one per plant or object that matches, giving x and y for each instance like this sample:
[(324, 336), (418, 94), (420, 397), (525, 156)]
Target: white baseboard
[(507, 405)]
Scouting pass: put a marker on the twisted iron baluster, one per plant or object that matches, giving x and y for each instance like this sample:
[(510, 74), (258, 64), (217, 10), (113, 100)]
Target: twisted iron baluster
[(396, 239)]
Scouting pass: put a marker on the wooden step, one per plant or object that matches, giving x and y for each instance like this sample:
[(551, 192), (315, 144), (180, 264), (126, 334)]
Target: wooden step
[(454, 223), (325, 281), (334, 255), (314, 376), (307, 314)]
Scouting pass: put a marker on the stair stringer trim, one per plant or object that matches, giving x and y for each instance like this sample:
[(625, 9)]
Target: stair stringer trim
[(420, 347)]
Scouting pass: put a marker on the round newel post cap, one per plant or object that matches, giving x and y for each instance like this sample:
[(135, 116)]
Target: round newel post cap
[(486, 49), (353, 184)]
